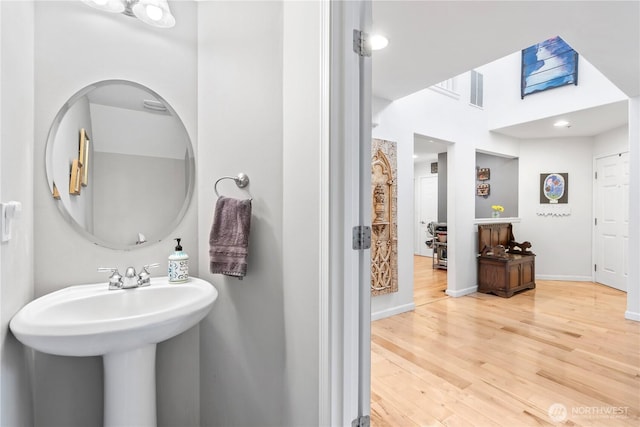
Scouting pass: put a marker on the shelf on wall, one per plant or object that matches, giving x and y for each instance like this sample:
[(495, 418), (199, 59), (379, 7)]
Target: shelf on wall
[(496, 220)]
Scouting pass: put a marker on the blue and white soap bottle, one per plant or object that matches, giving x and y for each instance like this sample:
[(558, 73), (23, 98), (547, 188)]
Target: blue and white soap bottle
[(178, 265)]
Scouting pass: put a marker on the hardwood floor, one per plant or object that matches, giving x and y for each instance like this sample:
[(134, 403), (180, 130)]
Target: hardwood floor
[(562, 352), (429, 284)]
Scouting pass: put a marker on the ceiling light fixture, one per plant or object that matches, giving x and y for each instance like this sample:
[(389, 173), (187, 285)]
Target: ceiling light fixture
[(152, 12), (378, 42), (562, 124)]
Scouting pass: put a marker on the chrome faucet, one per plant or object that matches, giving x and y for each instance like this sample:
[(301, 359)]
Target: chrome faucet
[(130, 278)]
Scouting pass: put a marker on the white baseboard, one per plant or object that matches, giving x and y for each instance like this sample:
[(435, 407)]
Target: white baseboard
[(462, 292), (392, 311), (632, 316), (565, 278)]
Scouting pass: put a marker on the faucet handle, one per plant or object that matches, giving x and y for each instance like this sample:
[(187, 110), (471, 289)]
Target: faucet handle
[(144, 278), (115, 280), (148, 266)]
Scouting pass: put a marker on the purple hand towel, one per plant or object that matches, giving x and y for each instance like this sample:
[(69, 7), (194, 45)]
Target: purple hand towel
[(229, 238)]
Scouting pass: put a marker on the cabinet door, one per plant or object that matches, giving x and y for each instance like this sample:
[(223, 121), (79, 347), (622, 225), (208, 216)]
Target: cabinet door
[(528, 273), (514, 275)]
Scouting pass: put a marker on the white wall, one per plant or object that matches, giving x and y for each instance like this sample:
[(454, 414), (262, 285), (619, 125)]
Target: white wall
[(243, 360), (161, 181), (76, 45), (562, 244), (503, 86), (614, 141), (137, 132), (16, 154), (258, 63), (305, 142)]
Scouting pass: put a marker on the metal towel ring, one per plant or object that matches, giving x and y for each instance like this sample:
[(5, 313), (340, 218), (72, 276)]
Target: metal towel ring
[(242, 180)]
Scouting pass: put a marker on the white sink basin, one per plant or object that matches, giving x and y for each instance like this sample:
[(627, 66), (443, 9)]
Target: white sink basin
[(90, 320), (123, 326)]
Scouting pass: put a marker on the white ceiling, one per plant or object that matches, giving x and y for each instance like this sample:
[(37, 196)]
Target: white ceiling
[(431, 41), (588, 122)]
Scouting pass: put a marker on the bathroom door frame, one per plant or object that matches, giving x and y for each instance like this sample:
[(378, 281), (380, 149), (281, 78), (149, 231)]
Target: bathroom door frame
[(346, 397)]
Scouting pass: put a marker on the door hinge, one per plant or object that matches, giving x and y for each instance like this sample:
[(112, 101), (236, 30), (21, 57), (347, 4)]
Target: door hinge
[(361, 237), (362, 421), (361, 43), (596, 174), (595, 221), (595, 267)]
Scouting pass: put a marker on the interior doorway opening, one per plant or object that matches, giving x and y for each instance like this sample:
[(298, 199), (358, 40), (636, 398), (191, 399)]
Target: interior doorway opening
[(430, 219)]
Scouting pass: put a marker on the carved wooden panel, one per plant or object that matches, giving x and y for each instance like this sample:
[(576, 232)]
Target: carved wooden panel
[(384, 228)]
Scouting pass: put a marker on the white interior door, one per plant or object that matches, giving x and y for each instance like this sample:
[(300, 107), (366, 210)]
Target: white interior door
[(426, 203), (612, 221)]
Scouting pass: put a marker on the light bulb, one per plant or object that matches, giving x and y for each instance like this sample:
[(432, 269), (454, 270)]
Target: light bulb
[(378, 42), (154, 12), (115, 6)]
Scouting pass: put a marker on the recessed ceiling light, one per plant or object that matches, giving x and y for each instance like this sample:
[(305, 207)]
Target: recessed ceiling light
[(562, 124), (378, 42)]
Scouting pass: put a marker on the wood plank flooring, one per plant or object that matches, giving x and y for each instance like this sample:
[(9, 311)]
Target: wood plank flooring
[(559, 354), (429, 284)]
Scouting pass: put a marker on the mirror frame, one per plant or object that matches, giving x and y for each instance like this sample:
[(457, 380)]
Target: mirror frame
[(170, 228)]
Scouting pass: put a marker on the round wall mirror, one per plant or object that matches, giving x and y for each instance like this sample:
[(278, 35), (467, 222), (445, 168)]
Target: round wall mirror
[(120, 164)]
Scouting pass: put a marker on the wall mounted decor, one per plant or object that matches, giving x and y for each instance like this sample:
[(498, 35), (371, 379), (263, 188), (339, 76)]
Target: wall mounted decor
[(84, 157), (483, 174), (74, 178), (434, 167), (546, 65), (384, 228), (483, 190), (553, 210), (55, 192), (554, 188)]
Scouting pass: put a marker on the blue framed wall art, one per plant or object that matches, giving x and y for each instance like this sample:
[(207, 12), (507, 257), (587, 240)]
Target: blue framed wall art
[(546, 65)]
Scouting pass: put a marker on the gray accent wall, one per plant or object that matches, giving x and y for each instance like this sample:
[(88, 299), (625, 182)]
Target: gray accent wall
[(504, 185)]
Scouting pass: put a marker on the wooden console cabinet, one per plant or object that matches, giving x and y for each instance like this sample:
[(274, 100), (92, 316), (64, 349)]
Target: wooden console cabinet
[(504, 265)]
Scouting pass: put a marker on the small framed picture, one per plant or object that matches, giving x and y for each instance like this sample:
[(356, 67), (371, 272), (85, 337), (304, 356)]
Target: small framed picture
[(483, 190), (434, 167), (483, 174), (83, 157)]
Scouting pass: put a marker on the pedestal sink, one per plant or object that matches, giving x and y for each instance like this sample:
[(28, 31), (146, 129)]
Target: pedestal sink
[(123, 326)]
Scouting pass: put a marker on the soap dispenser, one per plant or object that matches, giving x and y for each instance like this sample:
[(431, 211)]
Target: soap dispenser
[(178, 265)]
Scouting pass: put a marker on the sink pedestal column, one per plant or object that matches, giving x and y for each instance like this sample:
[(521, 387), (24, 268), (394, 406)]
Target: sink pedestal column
[(130, 387)]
